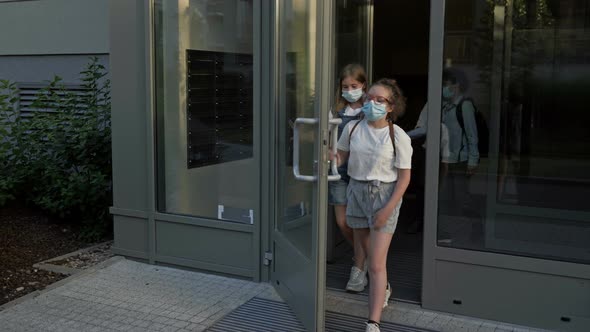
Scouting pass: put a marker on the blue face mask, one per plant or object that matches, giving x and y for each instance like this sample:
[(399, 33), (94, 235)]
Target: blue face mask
[(353, 95), (447, 93), (373, 111)]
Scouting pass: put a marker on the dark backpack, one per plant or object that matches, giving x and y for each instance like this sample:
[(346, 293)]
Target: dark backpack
[(483, 133)]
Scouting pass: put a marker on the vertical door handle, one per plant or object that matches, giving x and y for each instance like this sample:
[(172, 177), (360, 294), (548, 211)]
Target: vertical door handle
[(334, 141), (298, 122)]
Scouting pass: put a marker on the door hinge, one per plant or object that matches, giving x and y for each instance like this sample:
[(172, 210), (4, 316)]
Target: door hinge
[(267, 258)]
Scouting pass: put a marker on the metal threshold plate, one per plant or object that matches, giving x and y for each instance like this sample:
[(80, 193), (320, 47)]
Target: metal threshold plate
[(263, 315)]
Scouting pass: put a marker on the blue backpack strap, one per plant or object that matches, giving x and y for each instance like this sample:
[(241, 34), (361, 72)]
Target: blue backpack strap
[(459, 113), (392, 136)]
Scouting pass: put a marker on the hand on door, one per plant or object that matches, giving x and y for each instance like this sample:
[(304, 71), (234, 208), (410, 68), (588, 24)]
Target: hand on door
[(333, 157), (340, 157)]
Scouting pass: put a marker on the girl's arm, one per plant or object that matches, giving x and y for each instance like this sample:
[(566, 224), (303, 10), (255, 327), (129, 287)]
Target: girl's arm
[(341, 157), (403, 180)]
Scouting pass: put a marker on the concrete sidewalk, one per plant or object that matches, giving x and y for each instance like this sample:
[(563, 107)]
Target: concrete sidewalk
[(124, 295)]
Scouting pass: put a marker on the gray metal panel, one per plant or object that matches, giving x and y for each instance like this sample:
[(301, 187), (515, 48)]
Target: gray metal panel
[(263, 42), (525, 298), (503, 261), (258, 105), (207, 223), (325, 72), (130, 234), (149, 85), (435, 55), (216, 247), (127, 59)]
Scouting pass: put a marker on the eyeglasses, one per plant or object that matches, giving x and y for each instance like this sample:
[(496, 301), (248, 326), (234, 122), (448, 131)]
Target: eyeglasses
[(378, 99)]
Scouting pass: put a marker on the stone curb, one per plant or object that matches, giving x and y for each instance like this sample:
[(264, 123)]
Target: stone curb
[(74, 253), (60, 283), (47, 266)]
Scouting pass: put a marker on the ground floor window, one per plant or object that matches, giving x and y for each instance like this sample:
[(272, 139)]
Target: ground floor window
[(206, 157), (514, 178)]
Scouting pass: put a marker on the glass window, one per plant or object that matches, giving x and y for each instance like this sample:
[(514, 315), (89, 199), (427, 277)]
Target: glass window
[(206, 161), (515, 105)]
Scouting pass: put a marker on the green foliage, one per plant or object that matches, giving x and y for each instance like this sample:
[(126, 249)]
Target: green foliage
[(59, 159)]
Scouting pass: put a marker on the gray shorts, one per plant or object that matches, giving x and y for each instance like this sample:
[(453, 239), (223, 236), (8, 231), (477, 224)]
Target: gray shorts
[(337, 192), (365, 198)]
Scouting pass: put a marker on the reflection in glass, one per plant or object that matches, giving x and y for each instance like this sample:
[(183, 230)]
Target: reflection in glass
[(206, 159), (297, 86), (219, 107), (526, 65)]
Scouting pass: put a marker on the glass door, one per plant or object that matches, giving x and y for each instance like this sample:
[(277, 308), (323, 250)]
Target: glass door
[(302, 44)]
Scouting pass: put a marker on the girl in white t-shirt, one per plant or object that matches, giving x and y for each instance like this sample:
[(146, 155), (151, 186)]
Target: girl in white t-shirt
[(379, 156)]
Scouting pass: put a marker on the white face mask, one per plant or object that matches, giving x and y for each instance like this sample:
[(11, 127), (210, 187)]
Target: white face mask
[(353, 95)]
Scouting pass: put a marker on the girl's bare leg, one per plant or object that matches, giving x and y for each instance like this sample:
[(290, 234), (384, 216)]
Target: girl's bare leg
[(378, 246), (359, 252)]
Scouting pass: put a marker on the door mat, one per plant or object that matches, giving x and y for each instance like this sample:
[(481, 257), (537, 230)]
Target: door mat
[(336, 322), (263, 315), (260, 315)]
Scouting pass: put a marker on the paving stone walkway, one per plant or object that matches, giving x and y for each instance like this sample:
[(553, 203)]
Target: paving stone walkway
[(130, 296), (124, 295)]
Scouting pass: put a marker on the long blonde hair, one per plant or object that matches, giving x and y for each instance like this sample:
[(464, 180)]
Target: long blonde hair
[(356, 72)]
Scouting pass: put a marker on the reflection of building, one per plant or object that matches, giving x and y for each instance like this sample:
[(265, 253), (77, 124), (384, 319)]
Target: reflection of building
[(531, 69)]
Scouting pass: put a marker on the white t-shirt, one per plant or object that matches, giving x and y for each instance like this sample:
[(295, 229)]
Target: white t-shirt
[(371, 152)]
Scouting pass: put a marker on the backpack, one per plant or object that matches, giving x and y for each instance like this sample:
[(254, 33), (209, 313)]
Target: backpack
[(483, 133), (391, 134)]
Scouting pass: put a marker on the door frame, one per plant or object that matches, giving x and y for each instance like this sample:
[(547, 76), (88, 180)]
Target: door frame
[(270, 84)]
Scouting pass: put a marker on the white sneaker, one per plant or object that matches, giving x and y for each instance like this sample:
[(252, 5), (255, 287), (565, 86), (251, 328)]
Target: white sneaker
[(372, 327), (387, 295), (357, 281)]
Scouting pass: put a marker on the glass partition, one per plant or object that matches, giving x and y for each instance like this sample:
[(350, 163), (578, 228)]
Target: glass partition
[(515, 102), (206, 157)]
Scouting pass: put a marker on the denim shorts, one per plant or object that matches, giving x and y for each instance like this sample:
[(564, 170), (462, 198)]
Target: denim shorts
[(337, 192), (365, 198)]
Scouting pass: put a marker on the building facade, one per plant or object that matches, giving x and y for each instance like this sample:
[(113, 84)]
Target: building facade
[(41, 39), (221, 128)]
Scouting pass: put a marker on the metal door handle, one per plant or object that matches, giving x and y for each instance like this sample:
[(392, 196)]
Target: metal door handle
[(313, 121), (334, 139), (296, 172)]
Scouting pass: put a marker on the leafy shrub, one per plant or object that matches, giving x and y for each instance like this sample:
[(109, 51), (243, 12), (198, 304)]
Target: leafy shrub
[(59, 159)]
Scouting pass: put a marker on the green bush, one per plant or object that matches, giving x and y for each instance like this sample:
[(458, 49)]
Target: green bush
[(59, 159)]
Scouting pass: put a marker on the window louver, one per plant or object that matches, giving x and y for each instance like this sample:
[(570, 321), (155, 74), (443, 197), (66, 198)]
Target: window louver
[(29, 91)]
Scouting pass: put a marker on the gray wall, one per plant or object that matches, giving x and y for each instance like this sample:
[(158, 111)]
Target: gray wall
[(39, 68), (54, 27), (40, 39)]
